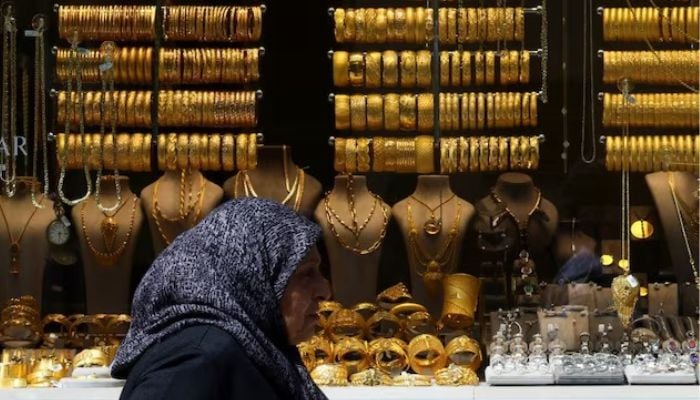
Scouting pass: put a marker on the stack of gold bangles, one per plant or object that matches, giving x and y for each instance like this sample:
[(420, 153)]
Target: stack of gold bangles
[(484, 153), (414, 112), (665, 24), (34, 368), (675, 110), (114, 22), (20, 323), (456, 68), (475, 25), (653, 153), (393, 154), (207, 109), (132, 151), (131, 64), (211, 65), (658, 67), (132, 108), (316, 351), (213, 23), (383, 25)]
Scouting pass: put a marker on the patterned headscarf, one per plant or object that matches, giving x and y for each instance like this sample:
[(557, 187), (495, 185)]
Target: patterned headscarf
[(231, 271)]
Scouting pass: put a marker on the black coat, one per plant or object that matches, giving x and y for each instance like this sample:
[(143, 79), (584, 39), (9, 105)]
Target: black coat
[(199, 362)]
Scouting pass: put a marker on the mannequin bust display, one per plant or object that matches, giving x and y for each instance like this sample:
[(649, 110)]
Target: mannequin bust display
[(25, 225), (433, 221), (176, 202), (277, 178), (523, 220), (107, 244), (685, 188), (354, 223)]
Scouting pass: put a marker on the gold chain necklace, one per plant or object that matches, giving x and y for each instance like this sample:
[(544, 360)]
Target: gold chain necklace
[(40, 108), (296, 190), (522, 225), (110, 256), (434, 265), (9, 98), (681, 221), (433, 226), (158, 214), (16, 243)]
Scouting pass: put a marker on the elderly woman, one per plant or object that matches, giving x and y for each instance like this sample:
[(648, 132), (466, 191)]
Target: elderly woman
[(219, 312)]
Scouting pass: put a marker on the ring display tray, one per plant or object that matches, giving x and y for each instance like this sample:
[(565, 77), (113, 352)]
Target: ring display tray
[(637, 377), (518, 379)]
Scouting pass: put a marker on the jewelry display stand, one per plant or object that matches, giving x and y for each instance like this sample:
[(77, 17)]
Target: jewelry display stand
[(433, 221), (277, 178), (168, 216), (354, 223), (637, 377), (516, 379), (107, 245)]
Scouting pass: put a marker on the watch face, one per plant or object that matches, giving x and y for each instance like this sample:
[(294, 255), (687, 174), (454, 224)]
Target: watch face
[(57, 233)]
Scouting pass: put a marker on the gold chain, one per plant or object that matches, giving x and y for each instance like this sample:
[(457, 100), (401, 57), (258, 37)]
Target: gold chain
[(15, 243), (445, 253), (157, 213), (108, 258), (681, 221)]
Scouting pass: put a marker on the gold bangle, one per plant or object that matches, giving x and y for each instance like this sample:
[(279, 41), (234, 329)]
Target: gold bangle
[(378, 154), (423, 72), (193, 151), (455, 375), (381, 26), (226, 158), (352, 354), (391, 34), (389, 354), (252, 153), (493, 153), (490, 78), (419, 34), (371, 25), (452, 25), (408, 69), (345, 323), (339, 159), (330, 375), (358, 112), (357, 70), (474, 154), (483, 153), (466, 63), (382, 324), (463, 155), (213, 154), (460, 300), (424, 154), (425, 112), (342, 112), (407, 112), (479, 68), (360, 26), (409, 33), (411, 380), (444, 68), (242, 152), (392, 110), (491, 25), (371, 377), (464, 351), (490, 110), (426, 355), (534, 162), (390, 152), (400, 28), (350, 155), (525, 110), (162, 152), (363, 155), (373, 74), (341, 69), (519, 29), (533, 110), (455, 69), (123, 143), (183, 142), (524, 74), (503, 154), (146, 153), (375, 112), (442, 26), (390, 71)]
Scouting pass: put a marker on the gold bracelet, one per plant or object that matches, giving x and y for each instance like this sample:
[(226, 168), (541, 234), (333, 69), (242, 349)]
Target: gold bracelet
[(463, 155), (490, 110), (390, 155), (481, 111), (533, 110), (389, 354), (442, 26), (214, 152), (242, 152), (391, 33), (444, 68), (444, 167), (493, 153), (381, 25), (424, 154), (227, 154), (392, 111), (378, 154), (363, 155), (426, 354), (409, 33), (373, 74), (455, 375), (455, 69), (425, 112), (525, 109), (162, 152), (339, 159), (252, 151), (408, 69), (464, 351), (460, 300), (357, 70), (375, 112), (345, 323), (146, 153), (183, 142), (341, 69), (452, 149), (452, 25), (330, 375), (466, 61), (390, 71), (534, 162), (123, 151), (515, 158), (419, 34), (371, 25), (407, 112), (400, 27), (360, 26), (423, 72), (479, 68), (193, 152), (490, 78), (352, 354), (524, 75), (358, 112), (342, 112), (350, 155), (484, 153), (503, 154)]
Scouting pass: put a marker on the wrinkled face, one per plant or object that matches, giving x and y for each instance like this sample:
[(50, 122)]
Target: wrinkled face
[(306, 288)]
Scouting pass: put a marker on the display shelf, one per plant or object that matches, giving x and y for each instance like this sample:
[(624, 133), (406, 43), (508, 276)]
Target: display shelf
[(483, 392)]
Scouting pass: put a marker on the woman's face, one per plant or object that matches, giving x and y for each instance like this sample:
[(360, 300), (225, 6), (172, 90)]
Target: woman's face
[(300, 301)]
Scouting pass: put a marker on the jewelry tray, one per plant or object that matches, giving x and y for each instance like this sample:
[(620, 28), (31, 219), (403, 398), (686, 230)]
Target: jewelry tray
[(636, 377), (530, 379)]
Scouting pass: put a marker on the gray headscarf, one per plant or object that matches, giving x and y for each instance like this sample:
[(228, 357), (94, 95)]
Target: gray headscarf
[(230, 271)]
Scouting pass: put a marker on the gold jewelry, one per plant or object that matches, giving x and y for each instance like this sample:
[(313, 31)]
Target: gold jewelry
[(423, 72), (357, 69), (350, 155), (408, 69), (460, 300), (390, 70), (342, 112), (389, 354), (241, 152), (363, 155), (424, 154), (426, 355), (109, 228), (330, 375), (341, 69), (407, 112), (352, 353), (425, 112), (382, 325), (373, 75), (392, 112), (375, 112), (455, 375), (339, 159), (358, 112)]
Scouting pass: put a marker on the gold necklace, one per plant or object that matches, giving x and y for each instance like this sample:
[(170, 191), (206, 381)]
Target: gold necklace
[(109, 227), (356, 230), (15, 243), (433, 265), (522, 225), (296, 190), (39, 26), (681, 221), (158, 214), (433, 226), (109, 257)]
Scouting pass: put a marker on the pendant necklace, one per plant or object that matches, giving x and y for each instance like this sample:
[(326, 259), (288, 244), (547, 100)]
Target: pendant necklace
[(15, 243), (433, 226)]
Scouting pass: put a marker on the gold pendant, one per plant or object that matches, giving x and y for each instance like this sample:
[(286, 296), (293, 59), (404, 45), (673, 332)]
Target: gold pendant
[(642, 229), (109, 228), (433, 278), (432, 227), (14, 258)]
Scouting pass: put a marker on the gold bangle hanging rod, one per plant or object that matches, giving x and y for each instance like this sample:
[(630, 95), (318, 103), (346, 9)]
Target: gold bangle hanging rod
[(541, 138), (526, 10), (261, 51), (331, 97), (535, 53), (57, 6)]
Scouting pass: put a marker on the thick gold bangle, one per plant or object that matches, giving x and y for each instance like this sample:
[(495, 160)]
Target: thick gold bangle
[(183, 144), (350, 155), (214, 152), (389, 354), (123, 143), (503, 154), (524, 74), (525, 110), (242, 152), (342, 112), (390, 155), (425, 112), (162, 151), (534, 160), (375, 112), (363, 158), (392, 110), (193, 151), (466, 65), (390, 70), (426, 355), (330, 375), (357, 69), (483, 153), (371, 25), (423, 72), (341, 69), (358, 112), (474, 154), (228, 152), (464, 351), (408, 69), (490, 78), (452, 154), (252, 151), (533, 109), (490, 110), (452, 25), (407, 112), (519, 29), (409, 33), (373, 74), (444, 68), (382, 324), (381, 26), (463, 156), (352, 353), (424, 154), (460, 300), (339, 159), (360, 26), (391, 33), (400, 26), (479, 68), (345, 323), (455, 69), (146, 153), (378, 154), (442, 26), (514, 144), (493, 153)]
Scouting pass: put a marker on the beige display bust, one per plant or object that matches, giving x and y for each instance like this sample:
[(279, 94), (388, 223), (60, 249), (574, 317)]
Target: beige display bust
[(108, 274), (31, 242), (268, 181), (438, 235), (167, 193), (354, 250)]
